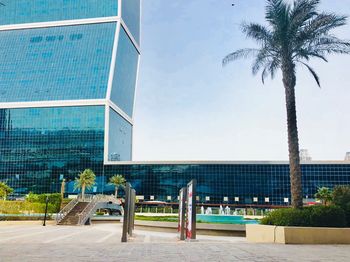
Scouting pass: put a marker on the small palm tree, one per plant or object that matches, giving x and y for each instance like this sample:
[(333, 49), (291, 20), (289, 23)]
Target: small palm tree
[(5, 190), (295, 33), (325, 195), (85, 180), (117, 181)]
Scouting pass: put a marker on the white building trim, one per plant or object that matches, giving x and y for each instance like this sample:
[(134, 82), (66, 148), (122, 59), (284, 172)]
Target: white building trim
[(186, 162), (106, 140), (120, 112), (58, 103), (137, 46), (98, 20)]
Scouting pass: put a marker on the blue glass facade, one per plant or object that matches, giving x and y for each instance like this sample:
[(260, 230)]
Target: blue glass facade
[(33, 11), (39, 146), (123, 90), (131, 16), (60, 67), (120, 140), (59, 63)]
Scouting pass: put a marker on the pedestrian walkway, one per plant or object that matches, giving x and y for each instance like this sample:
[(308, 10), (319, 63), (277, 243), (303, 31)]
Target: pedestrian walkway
[(101, 242)]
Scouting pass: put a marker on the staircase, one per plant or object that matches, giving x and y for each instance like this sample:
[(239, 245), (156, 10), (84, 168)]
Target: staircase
[(79, 210), (72, 218)]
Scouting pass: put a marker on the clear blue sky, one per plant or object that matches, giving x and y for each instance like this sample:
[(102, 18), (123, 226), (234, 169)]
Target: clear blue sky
[(190, 108)]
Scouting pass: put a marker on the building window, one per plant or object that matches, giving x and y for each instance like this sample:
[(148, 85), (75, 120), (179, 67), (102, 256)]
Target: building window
[(255, 199), (267, 199)]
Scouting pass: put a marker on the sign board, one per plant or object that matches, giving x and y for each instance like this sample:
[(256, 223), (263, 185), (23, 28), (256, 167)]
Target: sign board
[(191, 210), (182, 213)]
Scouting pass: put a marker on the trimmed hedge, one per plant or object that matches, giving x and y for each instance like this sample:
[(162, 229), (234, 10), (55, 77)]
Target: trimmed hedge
[(315, 216), (54, 199), (24, 207)]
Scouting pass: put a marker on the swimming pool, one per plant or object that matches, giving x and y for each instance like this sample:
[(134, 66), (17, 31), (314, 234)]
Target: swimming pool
[(225, 219)]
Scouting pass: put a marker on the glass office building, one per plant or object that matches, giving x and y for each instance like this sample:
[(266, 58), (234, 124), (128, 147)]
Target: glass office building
[(67, 85)]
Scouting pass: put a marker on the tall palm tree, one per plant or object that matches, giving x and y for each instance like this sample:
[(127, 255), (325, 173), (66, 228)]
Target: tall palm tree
[(117, 181), (85, 180), (5, 190), (295, 33)]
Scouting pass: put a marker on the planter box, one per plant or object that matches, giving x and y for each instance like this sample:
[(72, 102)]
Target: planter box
[(297, 235)]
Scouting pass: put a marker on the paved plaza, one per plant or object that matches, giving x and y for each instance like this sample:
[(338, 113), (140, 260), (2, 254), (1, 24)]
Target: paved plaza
[(101, 242)]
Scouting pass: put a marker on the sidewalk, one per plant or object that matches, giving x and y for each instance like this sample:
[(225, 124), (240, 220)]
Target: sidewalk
[(101, 242)]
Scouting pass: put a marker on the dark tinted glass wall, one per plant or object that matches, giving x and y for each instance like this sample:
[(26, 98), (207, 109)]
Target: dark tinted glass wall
[(58, 63), (249, 183), (40, 146), (32, 11)]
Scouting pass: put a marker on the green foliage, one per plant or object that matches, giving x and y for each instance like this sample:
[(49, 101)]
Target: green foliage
[(294, 32), (324, 194), (54, 199), (117, 181), (5, 190), (157, 218), (341, 198), (315, 216), (86, 179), (25, 207)]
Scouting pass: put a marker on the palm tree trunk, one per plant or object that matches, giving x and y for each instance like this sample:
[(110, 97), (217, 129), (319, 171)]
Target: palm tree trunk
[(116, 192), (289, 81), (83, 191)]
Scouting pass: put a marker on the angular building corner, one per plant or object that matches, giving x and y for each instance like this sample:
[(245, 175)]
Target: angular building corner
[(67, 84)]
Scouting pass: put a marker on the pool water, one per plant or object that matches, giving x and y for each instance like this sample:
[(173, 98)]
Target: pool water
[(225, 219)]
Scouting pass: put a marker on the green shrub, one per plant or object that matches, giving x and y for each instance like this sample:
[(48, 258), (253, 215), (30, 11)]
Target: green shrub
[(329, 216), (286, 217), (341, 198), (315, 216), (24, 207), (54, 199)]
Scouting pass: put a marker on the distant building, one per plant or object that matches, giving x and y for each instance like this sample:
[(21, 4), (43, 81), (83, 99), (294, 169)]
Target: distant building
[(347, 156), (304, 155)]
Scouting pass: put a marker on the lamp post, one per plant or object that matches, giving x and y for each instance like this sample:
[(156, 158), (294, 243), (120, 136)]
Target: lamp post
[(47, 202)]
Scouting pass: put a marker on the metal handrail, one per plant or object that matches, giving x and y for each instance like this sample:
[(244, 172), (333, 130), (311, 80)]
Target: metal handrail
[(83, 215), (64, 211), (91, 206)]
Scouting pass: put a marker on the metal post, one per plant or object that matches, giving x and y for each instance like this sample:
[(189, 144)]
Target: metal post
[(126, 213), (131, 211), (47, 203)]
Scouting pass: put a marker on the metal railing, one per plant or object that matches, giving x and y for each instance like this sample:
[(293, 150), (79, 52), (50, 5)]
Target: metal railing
[(86, 213), (60, 215)]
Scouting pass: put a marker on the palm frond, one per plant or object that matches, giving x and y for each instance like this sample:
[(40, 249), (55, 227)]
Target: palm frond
[(257, 32), (320, 25), (314, 74), (241, 53)]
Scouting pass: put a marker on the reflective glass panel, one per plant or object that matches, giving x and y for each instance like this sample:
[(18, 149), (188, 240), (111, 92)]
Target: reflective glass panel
[(124, 81), (120, 132), (131, 15), (58, 63), (40, 146), (30, 11)]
